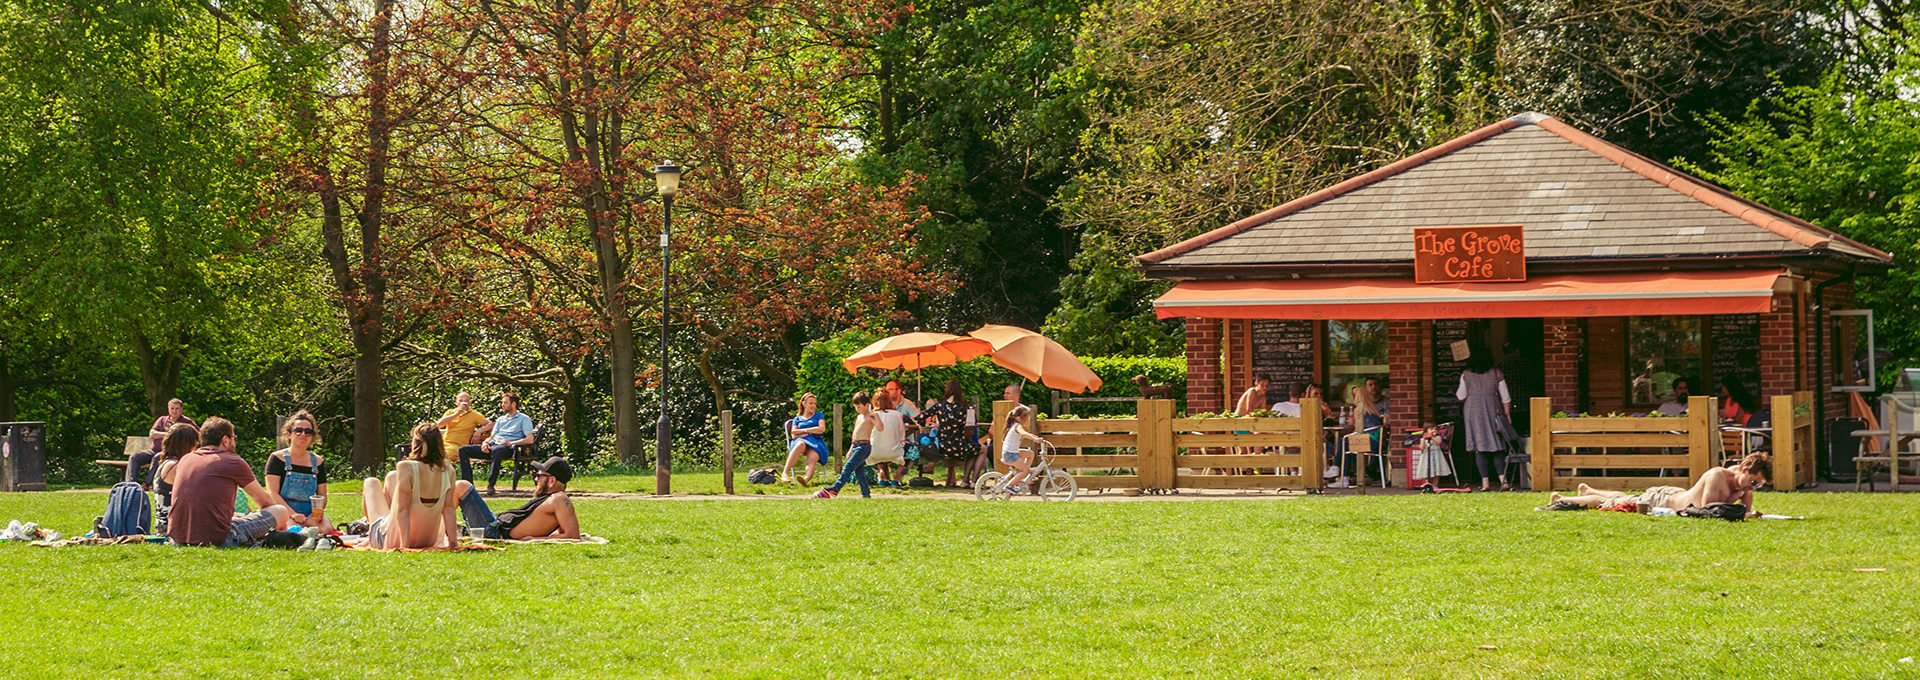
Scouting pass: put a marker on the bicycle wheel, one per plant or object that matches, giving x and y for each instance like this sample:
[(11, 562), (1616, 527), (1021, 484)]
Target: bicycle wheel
[(1058, 486), (987, 487)]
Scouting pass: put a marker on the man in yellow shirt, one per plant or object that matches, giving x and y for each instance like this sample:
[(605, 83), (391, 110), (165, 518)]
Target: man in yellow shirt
[(458, 424)]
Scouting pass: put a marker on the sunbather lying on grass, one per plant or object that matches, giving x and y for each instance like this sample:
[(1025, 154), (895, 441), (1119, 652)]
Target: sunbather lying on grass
[(1718, 485)]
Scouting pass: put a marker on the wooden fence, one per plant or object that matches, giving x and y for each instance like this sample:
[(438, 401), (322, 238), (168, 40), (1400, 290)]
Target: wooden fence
[(1693, 443), (1165, 452)]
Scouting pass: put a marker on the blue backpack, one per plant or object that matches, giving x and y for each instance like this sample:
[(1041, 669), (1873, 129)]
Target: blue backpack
[(128, 511)]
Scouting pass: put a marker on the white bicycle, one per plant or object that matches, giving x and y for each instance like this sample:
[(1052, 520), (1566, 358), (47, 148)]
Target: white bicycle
[(1054, 485)]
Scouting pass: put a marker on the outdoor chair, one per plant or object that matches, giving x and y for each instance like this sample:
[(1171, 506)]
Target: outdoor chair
[(1363, 446), (525, 455)]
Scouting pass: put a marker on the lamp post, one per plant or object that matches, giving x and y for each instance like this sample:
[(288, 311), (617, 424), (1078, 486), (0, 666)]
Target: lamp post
[(666, 177)]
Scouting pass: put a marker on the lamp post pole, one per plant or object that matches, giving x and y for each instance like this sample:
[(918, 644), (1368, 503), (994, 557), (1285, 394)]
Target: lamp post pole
[(667, 177)]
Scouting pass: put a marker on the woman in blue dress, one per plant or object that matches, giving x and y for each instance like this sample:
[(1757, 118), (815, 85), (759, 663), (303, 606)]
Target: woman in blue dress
[(804, 440)]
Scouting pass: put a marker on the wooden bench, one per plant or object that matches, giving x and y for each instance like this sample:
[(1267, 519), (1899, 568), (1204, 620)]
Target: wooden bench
[(133, 445)]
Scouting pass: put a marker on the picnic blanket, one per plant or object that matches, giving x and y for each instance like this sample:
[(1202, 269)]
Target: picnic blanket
[(584, 539), (136, 539)]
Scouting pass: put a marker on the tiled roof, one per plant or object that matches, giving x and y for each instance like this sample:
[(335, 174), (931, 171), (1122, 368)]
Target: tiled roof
[(1578, 197)]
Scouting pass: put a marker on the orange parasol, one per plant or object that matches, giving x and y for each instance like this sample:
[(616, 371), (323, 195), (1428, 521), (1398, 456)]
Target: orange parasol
[(1037, 358), (914, 351)]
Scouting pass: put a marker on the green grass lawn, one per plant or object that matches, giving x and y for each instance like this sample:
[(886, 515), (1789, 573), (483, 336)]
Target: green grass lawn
[(1334, 586)]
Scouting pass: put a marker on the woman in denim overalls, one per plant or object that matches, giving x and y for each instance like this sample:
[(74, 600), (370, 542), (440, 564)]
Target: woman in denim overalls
[(294, 474)]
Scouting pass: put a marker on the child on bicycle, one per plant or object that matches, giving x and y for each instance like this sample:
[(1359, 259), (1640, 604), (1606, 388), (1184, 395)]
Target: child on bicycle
[(1018, 420)]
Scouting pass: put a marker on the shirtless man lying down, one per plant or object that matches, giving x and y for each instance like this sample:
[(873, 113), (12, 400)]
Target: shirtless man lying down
[(1719, 485)]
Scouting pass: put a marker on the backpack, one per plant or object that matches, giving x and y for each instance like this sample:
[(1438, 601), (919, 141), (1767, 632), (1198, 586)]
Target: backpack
[(129, 513), (761, 476), (1732, 512)]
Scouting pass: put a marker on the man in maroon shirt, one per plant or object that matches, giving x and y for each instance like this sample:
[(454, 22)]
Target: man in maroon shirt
[(175, 415), (204, 484)]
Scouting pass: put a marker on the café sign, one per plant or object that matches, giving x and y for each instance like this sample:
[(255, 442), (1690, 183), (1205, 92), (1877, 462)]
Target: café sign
[(1469, 254)]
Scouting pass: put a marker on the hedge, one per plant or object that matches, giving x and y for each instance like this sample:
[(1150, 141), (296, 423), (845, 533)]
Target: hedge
[(821, 373)]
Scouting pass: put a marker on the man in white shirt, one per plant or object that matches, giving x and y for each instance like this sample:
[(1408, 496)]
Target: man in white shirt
[(1677, 406)]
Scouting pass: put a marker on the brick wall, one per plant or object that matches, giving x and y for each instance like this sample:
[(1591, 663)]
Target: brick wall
[(1778, 361), (1838, 296), (1404, 386), (1203, 365), (1562, 356)]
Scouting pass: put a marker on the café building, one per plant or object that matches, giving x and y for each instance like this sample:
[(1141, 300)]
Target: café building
[(1611, 274)]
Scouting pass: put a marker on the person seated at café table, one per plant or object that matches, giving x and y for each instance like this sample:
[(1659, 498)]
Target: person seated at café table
[(141, 460), (1733, 484), (1677, 406), (549, 515), (204, 484), (1306, 390)]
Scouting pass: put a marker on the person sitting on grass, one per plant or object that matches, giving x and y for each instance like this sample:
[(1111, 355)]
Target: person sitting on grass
[(549, 515), (203, 491), (1719, 485), (413, 508), (864, 427), (295, 474), (804, 441), (180, 440), (1021, 460)]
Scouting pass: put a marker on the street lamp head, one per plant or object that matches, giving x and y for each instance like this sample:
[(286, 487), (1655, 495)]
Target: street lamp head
[(666, 176)]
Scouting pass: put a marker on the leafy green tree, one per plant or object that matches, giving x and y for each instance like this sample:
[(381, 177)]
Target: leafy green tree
[(1842, 157), (130, 170), (980, 100)]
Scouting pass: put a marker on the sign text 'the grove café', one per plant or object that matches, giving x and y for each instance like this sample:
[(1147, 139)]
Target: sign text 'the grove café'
[(1469, 254)]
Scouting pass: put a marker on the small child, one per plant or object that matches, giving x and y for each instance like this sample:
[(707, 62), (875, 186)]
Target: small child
[(1018, 420), (863, 429)]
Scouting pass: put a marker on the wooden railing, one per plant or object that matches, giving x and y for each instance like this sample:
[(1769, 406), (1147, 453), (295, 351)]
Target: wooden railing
[(1151, 445), (1689, 443)]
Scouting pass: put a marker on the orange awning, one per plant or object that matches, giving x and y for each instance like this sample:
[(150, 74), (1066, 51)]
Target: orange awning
[(1645, 294)]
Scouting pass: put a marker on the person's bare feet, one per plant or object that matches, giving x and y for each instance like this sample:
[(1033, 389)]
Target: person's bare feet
[(1553, 497), (1585, 490)]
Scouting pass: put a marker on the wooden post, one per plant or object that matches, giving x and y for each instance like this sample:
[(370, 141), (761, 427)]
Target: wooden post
[(1703, 433), (999, 430), (726, 450), (1155, 444), (834, 458), (1784, 439), (1539, 411), (1312, 444)]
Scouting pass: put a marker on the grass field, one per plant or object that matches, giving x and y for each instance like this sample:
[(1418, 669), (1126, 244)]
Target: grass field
[(1334, 586)]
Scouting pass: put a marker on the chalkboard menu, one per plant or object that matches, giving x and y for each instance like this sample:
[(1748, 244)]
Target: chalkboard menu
[(1736, 351), (1283, 351), (1446, 370)]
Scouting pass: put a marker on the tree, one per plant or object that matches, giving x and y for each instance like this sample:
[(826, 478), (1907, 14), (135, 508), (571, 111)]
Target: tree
[(350, 80), (576, 101), (982, 100), (1840, 156), (130, 168)]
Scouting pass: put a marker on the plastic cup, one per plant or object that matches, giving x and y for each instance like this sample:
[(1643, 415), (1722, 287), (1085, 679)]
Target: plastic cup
[(319, 503)]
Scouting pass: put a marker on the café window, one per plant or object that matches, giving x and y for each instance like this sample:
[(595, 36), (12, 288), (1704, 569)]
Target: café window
[(1661, 349), (1855, 359), (1356, 351)]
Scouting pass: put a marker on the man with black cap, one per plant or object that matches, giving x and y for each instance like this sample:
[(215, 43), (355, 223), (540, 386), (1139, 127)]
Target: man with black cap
[(548, 515)]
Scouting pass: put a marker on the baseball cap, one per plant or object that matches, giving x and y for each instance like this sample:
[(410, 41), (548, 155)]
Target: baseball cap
[(558, 467)]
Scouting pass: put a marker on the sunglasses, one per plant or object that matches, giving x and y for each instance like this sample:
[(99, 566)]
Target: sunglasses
[(303, 430), (1756, 483)]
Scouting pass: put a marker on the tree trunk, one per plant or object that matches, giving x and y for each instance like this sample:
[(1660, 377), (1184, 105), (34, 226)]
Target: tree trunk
[(570, 416), (6, 390), (159, 373)]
